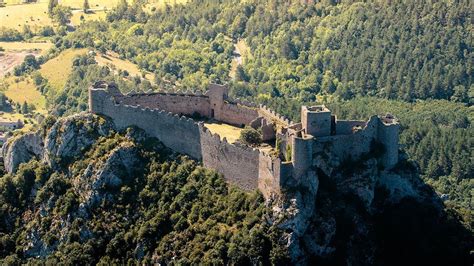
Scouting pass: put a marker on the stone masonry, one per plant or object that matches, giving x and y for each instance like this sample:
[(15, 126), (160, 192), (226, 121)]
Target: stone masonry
[(167, 116)]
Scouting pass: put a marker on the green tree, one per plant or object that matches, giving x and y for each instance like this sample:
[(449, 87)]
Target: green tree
[(61, 14), (51, 5), (24, 108), (250, 136)]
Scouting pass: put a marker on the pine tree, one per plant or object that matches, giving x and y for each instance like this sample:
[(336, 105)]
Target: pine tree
[(24, 108)]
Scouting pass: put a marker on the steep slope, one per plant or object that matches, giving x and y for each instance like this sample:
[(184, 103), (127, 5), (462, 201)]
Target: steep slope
[(86, 194)]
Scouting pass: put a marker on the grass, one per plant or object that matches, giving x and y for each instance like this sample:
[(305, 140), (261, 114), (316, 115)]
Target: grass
[(231, 133), (22, 90), (116, 63), (58, 69), (95, 15), (16, 14), (20, 46)]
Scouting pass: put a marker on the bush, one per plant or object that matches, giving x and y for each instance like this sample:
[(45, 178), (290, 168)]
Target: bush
[(250, 136)]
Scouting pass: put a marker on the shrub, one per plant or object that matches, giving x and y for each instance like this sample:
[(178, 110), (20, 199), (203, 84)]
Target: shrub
[(250, 136)]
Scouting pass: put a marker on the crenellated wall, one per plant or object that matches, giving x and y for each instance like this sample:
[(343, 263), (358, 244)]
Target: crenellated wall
[(240, 164), (236, 114), (175, 103), (288, 165), (271, 115)]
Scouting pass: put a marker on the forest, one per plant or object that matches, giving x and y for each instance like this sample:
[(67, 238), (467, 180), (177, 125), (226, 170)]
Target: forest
[(360, 58)]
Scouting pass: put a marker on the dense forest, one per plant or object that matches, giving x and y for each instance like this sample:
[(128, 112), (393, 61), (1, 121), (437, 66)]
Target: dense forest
[(409, 58), (359, 58)]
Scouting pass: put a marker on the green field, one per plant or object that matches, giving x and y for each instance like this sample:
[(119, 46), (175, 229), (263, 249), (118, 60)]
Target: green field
[(22, 90), (116, 63), (22, 46), (57, 70), (15, 15)]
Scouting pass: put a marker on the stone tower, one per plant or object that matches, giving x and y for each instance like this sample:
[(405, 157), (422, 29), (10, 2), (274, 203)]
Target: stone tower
[(316, 120)]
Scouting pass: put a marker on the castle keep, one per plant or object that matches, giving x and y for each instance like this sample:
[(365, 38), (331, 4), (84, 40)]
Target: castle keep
[(291, 152)]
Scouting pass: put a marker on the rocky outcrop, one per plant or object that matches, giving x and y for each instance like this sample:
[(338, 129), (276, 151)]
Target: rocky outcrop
[(67, 139), (71, 136), (99, 178), (21, 149)]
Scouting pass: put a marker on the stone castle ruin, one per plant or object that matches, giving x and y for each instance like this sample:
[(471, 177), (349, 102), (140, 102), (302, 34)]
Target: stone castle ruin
[(292, 151)]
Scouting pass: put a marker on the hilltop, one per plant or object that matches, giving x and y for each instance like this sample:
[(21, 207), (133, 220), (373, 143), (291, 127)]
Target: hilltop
[(71, 200)]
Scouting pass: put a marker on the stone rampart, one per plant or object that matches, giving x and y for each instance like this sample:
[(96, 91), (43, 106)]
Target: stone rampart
[(271, 115), (345, 146), (319, 135), (345, 127), (176, 103), (178, 133), (238, 163), (237, 114)]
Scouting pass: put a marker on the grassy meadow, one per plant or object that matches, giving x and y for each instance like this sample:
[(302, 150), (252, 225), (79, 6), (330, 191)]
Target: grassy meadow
[(22, 90), (57, 70), (116, 63)]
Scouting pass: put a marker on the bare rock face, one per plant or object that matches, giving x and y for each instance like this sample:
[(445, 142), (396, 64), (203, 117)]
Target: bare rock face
[(70, 136), (102, 177), (22, 149), (67, 139)]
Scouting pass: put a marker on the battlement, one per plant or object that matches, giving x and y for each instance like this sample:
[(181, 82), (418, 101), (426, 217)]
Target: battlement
[(176, 119)]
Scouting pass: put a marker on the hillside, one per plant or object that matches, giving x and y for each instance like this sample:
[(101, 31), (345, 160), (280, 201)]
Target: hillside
[(92, 195), (78, 191), (81, 192)]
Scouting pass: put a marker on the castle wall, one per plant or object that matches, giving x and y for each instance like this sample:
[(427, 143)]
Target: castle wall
[(317, 124), (301, 155), (178, 133), (237, 114), (174, 103), (343, 147), (344, 127), (239, 164), (272, 116), (388, 135), (272, 174)]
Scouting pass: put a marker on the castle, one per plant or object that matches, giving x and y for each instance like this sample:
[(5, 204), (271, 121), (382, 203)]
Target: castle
[(292, 150)]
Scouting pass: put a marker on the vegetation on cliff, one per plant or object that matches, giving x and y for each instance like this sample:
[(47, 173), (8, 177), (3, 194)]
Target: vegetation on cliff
[(127, 198)]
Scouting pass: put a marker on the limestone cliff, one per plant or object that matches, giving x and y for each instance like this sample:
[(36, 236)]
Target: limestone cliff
[(67, 139), (336, 220), (21, 149)]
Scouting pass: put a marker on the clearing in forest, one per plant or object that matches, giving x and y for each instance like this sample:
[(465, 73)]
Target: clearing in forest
[(112, 61), (22, 90), (15, 53), (16, 13), (241, 53), (58, 69)]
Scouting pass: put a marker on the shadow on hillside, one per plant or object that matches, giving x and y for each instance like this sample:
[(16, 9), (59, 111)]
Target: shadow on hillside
[(409, 232)]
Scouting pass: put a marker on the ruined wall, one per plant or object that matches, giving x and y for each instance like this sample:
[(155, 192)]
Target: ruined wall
[(272, 174), (237, 114), (238, 163), (344, 127), (316, 123), (178, 133), (388, 135), (175, 103), (301, 155), (272, 116), (342, 147)]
